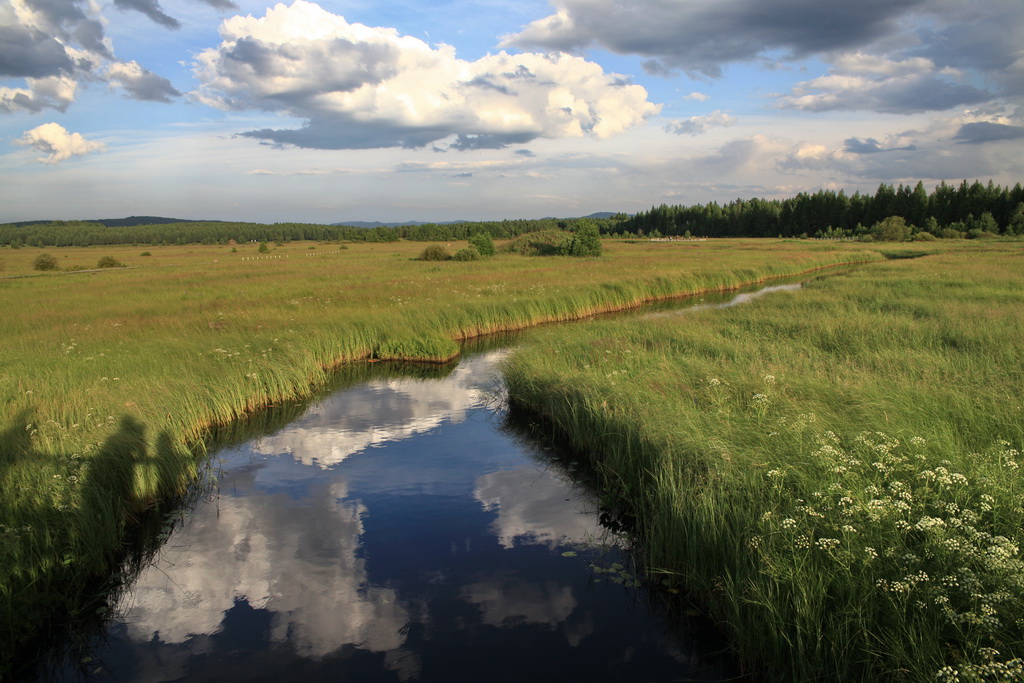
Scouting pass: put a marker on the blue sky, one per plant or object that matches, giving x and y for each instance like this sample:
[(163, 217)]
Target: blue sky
[(476, 109)]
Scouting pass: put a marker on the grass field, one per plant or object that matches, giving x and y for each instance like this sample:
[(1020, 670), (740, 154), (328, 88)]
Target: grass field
[(112, 380), (834, 471)]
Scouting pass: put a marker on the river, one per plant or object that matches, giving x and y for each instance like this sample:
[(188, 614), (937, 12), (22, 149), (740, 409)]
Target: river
[(398, 529)]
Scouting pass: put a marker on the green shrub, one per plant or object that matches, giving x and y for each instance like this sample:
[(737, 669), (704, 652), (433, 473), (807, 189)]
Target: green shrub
[(892, 229), (109, 262), (264, 248), (146, 253), (585, 241), (540, 243), (45, 262), (924, 237), (434, 252), (467, 254), (483, 244)]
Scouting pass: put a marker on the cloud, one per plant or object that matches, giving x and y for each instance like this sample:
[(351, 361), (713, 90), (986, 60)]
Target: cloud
[(152, 9), (360, 87), (698, 96), (381, 412), (28, 52), (141, 84), (908, 54), (700, 36), (56, 45), (698, 125), (57, 143), (871, 146), (54, 92), (873, 83), (985, 131)]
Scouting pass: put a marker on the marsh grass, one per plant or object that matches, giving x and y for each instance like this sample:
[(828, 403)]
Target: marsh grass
[(835, 470), (113, 381)]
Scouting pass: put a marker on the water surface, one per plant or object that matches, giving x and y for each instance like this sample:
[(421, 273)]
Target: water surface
[(396, 531)]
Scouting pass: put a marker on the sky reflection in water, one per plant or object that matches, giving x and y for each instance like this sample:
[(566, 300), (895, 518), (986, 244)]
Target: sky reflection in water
[(394, 532)]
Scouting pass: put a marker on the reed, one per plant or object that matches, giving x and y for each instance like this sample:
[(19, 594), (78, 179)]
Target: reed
[(112, 381), (835, 471)]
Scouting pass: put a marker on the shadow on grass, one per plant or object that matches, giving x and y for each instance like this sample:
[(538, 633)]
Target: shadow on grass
[(66, 521), (58, 581)]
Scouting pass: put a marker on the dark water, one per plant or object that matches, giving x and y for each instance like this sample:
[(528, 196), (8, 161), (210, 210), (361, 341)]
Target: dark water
[(399, 529), (396, 531)]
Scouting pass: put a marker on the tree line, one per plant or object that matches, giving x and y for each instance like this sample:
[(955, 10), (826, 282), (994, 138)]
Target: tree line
[(948, 211), (967, 210), (87, 233)]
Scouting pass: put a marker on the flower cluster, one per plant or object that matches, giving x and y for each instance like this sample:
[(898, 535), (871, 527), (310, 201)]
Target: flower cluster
[(930, 538)]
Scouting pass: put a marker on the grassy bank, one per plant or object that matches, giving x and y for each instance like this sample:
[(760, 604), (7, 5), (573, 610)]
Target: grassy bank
[(112, 380), (835, 470)]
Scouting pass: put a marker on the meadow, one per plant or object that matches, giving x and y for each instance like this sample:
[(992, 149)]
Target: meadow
[(113, 379), (834, 474)]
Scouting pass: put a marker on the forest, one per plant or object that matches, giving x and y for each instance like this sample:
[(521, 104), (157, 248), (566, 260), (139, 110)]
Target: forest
[(963, 211), (967, 210)]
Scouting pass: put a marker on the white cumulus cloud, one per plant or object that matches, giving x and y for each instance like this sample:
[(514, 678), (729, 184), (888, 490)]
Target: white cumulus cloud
[(698, 125), (364, 87), (57, 143), (56, 92)]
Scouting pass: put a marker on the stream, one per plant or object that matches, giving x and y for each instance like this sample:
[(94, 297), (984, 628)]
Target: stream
[(400, 528)]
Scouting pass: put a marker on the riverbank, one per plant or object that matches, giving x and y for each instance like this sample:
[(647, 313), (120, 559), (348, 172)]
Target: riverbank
[(835, 471), (113, 380)]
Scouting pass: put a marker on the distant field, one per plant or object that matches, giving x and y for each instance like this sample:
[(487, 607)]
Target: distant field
[(111, 380), (836, 472)]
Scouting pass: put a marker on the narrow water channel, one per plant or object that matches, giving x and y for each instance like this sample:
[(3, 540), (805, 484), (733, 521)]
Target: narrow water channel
[(397, 530)]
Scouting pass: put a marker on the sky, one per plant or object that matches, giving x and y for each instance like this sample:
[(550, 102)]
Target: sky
[(346, 110)]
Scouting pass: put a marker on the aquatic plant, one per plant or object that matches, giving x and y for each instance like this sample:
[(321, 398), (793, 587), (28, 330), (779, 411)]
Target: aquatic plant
[(836, 471)]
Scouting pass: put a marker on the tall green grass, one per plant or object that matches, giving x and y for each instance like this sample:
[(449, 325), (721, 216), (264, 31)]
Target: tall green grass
[(835, 470), (113, 381)]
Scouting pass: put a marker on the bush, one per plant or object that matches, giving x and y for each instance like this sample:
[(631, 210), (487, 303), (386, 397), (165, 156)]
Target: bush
[(585, 241), (146, 253), (264, 248), (109, 262), (892, 229), (45, 262), (924, 237), (467, 254), (540, 243), (435, 252), (482, 243)]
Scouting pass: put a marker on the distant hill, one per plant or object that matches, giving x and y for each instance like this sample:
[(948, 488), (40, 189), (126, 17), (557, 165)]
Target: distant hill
[(126, 222)]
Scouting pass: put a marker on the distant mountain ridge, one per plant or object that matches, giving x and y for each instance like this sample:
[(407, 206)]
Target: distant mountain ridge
[(162, 220), (124, 222)]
